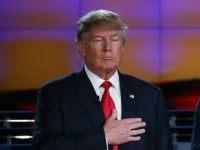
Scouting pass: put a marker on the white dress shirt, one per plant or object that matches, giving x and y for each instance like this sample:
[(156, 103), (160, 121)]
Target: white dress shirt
[(114, 89)]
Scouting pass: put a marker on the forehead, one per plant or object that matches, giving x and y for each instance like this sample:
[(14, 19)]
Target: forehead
[(103, 30)]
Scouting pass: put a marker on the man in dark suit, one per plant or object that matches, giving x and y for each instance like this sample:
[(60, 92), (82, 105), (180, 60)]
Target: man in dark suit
[(195, 144), (99, 107)]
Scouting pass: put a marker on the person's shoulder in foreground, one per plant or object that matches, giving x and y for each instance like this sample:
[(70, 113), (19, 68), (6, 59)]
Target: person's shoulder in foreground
[(139, 82), (195, 142)]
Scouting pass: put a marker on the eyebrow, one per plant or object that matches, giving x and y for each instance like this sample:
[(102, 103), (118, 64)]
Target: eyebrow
[(96, 36), (99, 36), (114, 35)]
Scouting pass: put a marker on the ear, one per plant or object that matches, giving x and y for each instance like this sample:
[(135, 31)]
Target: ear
[(81, 49)]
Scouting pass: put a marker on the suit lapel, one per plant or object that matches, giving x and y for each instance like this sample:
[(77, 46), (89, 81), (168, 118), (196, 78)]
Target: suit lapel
[(128, 98), (88, 98)]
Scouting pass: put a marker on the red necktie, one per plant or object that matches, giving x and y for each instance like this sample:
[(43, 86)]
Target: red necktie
[(107, 104)]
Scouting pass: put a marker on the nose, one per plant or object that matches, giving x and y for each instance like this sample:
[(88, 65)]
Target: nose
[(107, 45)]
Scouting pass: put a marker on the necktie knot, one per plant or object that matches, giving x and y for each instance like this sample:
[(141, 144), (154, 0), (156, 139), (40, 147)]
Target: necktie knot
[(106, 85)]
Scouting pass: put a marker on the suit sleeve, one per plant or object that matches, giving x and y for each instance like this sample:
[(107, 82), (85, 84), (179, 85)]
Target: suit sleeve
[(163, 132), (48, 131), (195, 143)]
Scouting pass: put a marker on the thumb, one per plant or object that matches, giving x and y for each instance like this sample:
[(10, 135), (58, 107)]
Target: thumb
[(113, 115)]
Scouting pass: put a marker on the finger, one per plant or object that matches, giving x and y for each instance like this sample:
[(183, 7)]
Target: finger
[(134, 139), (132, 120), (113, 115), (137, 132), (136, 125)]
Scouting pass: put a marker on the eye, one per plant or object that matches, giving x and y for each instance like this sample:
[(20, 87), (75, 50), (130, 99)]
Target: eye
[(115, 39), (96, 40)]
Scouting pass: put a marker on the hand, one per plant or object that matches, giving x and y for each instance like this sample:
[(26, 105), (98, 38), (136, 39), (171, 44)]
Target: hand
[(124, 130)]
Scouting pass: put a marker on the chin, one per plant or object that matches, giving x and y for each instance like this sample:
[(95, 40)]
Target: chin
[(110, 67)]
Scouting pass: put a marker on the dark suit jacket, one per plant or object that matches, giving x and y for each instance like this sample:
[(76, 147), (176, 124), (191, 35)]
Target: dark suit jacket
[(196, 130), (69, 115)]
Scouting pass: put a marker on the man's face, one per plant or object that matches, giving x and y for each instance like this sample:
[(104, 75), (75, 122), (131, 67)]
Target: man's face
[(102, 48)]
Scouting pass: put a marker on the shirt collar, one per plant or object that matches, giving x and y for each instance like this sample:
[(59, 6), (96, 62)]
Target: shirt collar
[(97, 81)]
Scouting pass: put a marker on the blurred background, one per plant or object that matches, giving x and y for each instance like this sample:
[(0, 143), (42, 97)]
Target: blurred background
[(37, 44)]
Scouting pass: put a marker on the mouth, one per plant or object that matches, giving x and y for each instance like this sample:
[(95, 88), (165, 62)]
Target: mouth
[(108, 58)]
